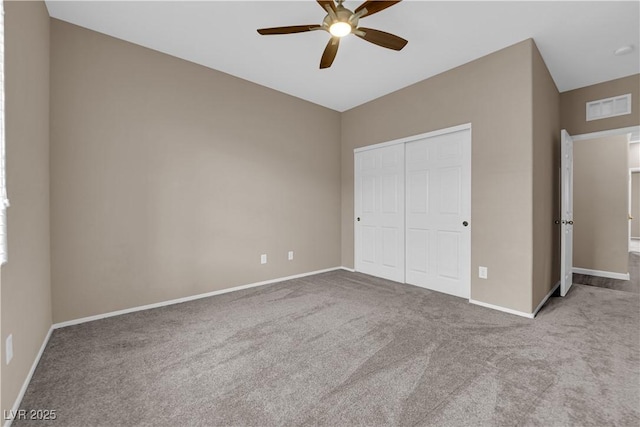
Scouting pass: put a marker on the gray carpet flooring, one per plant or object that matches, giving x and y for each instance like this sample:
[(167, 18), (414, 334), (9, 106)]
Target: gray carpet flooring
[(345, 349), (631, 285)]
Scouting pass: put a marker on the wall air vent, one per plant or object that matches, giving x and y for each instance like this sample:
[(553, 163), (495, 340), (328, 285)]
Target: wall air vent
[(609, 107)]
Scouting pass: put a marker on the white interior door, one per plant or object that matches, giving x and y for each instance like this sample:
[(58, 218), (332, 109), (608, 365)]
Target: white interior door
[(566, 219), (438, 210), (379, 211), (629, 203)]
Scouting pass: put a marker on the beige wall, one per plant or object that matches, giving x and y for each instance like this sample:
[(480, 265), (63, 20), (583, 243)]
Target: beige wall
[(169, 179), (494, 93), (546, 150), (601, 204), (26, 292), (573, 106), (635, 205)]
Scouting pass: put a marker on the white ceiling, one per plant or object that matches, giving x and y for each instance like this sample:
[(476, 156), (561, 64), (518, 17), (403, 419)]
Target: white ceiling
[(576, 39)]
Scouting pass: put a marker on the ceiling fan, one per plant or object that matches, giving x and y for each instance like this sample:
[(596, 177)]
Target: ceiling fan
[(340, 22)]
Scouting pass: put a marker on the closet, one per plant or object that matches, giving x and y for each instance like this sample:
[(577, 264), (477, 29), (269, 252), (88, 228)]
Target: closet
[(413, 210)]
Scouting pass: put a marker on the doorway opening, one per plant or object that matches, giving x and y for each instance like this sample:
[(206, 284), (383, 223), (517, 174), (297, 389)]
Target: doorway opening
[(604, 209)]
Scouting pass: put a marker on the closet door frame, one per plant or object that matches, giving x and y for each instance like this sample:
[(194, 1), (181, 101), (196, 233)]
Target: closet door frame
[(466, 126)]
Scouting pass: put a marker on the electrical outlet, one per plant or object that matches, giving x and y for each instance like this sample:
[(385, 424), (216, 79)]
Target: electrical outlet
[(483, 272), (263, 259), (8, 349), (290, 255)]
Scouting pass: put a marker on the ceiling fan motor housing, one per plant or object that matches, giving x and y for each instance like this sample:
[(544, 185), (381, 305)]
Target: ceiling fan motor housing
[(343, 15)]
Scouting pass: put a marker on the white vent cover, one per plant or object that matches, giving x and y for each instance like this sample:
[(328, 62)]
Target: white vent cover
[(609, 107)]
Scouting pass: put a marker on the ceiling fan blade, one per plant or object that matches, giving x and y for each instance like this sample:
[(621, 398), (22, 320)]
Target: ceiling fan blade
[(330, 52), (325, 3), (288, 30), (375, 6), (381, 38)]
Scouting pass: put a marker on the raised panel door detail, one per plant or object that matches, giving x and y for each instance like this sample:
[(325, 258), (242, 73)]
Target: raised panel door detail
[(390, 254), (449, 147), (379, 212), (449, 191), (418, 257), (368, 245), (438, 245), (389, 194), (417, 153), (448, 254), (368, 162), (390, 159), (418, 191), (368, 194)]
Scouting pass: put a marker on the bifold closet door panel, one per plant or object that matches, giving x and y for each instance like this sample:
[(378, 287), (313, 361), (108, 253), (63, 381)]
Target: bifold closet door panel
[(379, 210), (438, 205)]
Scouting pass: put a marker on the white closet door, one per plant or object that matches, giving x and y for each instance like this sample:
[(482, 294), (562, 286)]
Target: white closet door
[(438, 212), (379, 211)]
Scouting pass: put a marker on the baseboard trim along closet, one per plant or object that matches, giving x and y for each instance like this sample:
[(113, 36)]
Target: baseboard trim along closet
[(27, 380), (186, 299), (600, 273)]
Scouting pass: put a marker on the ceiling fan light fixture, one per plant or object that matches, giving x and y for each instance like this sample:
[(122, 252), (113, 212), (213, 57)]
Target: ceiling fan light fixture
[(340, 29), (340, 22)]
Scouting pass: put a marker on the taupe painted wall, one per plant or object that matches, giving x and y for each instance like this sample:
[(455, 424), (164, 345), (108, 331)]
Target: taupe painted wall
[(169, 179), (546, 151), (494, 93), (600, 201), (635, 205), (26, 292), (573, 106)]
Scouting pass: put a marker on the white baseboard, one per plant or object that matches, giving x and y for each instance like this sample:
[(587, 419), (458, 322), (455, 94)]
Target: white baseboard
[(516, 312), (499, 308), (600, 273), (545, 299), (185, 299), (27, 380), (352, 270)]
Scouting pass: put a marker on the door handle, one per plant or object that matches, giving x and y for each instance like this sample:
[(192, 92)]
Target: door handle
[(358, 218), (465, 223)]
